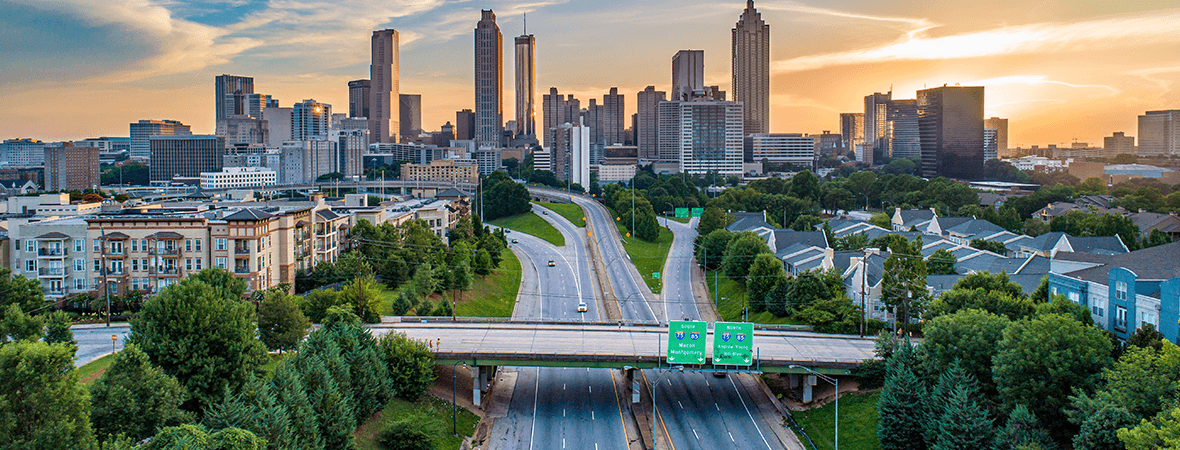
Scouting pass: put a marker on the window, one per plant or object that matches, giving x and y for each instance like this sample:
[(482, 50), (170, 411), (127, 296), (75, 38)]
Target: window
[(1075, 297), (97, 266), (188, 245), (143, 243), (79, 245), (135, 245), (1149, 318), (1120, 318), (1120, 290), (116, 248), (198, 264), (134, 264), (80, 284), (145, 264), (31, 265), (79, 264), (116, 267), (30, 245), (221, 262), (135, 284), (97, 248), (219, 244), (188, 264), (197, 243)]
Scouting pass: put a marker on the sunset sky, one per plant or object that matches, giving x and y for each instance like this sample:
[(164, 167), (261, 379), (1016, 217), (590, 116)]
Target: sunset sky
[(1059, 70)]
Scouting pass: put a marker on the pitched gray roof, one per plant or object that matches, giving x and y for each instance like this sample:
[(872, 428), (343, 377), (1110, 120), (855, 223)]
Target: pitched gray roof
[(747, 221), (1097, 244), (975, 226), (1155, 263), (786, 237), (249, 214), (1146, 221), (910, 216)]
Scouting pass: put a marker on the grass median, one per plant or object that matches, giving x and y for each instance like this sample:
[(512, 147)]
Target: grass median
[(570, 211), (648, 257), (531, 224), (858, 422)]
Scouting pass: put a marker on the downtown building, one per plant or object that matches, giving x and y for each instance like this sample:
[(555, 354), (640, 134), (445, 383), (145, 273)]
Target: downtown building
[(384, 87), (410, 115), (703, 136), (890, 129), (569, 150), (1159, 133), (950, 119), (647, 119), (489, 81), (1117, 144), (184, 156), (1001, 127), (558, 109), (239, 177), (852, 131), (310, 120), (751, 69), (526, 87), (142, 131), (795, 148), (359, 95), (70, 167), (231, 92), (24, 152), (688, 73)]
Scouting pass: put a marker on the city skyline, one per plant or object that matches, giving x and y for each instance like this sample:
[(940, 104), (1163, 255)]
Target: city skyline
[(1046, 68)]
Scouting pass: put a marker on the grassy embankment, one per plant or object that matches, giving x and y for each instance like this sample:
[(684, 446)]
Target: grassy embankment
[(531, 224), (648, 257), (732, 297), (572, 212), (490, 296), (434, 416), (858, 422)]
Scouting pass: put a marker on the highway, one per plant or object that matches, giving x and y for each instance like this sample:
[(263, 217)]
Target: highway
[(702, 423), (557, 408)]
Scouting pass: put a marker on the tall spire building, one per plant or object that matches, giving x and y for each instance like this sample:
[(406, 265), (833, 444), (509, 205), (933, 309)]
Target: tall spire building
[(751, 69), (384, 122), (526, 86), (489, 81)]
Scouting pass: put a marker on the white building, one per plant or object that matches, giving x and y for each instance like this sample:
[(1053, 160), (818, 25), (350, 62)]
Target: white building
[(352, 144), (22, 152), (990, 144), (792, 148), (53, 252), (1039, 163), (542, 160), (238, 177), (708, 137), (304, 161), (614, 173), (489, 159)]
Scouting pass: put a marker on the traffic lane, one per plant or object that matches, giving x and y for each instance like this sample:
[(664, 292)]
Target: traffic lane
[(94, 341), (578, 258), (578, 408), (703, 411), (678, 295), (558, 300), (632, 301)]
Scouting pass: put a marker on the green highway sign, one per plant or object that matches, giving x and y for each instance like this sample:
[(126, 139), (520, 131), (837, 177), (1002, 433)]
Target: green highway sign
[(696, 212), (655, 275), (682, 213), (733, 343), (686, 342)]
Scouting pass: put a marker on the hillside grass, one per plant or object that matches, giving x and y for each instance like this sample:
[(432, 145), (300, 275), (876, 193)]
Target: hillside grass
[(858, 422), (529, 223), (432, 414), (731, 299), (490, 296), (648, 257), (570, 211)]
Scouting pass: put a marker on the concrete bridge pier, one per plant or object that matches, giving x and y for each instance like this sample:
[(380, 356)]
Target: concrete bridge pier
[(479, 381), (808, 382), (629, 374)]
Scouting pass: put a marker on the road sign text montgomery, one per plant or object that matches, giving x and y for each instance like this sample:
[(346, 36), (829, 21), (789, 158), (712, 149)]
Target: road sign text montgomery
[(686, 342)]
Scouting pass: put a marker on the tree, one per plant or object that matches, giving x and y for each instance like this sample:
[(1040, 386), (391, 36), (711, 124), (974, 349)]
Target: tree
[(900, 404), (766, 274), (281, 323), (289, 392), (194, 437), (1022, 432), (332, 403), (994, 301), (411, 365), (881, 220), (317, 303), (967, 337), (942, 262), (740, 254), (504, 197), (1147, 337), (1064, 307), (41, 403), (805, 185), (1035, 227), (963, 424), (20, 291), (1162, 432), (406, 434), (711, 248), (135, 398), (364, 296), (202, 334), (804, 290), (1099, 429), (15, 325), (904, 283), (991, 246), (1042, 359), (713, 219), (57, 329), (806, 223)]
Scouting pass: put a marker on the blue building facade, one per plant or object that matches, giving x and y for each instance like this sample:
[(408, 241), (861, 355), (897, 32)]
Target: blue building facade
[(1124, 302)]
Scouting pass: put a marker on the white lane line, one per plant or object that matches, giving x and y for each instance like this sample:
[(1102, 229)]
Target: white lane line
[(562, 412), (563, 386), (756, 427), (731, 438), (536, 388), (694, 433), (681, 404), (562, 442), (591, 389), (592, 415), (715, 405)]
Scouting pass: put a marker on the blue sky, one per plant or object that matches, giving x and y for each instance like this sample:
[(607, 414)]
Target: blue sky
[(1059, 70)]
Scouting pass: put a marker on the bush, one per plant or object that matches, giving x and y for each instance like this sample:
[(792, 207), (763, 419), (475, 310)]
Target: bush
[(281, 323), (405, 435)]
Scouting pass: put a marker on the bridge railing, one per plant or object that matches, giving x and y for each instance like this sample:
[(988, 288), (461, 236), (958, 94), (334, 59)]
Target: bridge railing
[(508, 320)]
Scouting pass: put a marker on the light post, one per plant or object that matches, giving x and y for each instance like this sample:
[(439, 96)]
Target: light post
[(454, 403), (835, 382)]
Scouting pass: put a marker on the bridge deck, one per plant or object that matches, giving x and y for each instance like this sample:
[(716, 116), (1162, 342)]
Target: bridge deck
[(575, 345)]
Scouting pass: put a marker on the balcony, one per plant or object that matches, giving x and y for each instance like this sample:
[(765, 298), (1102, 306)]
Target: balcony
[(162, 271), (164, 251), (51, 252), (52, 272), (242, 270), (242, 250), (55, 291)]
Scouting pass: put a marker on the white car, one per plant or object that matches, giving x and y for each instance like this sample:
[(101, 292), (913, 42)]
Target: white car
[(581, 307)]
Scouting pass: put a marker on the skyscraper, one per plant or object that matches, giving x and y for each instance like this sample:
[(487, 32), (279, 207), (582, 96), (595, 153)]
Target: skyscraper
[(614, 118), (989, 143), (230, 91), (144, 129), (647, 135), (410, 115), (1159, 133), (950, 119), (489, 80), (384, 87), (852, 130), (875, 120), (526, 86), (1001, 127), (310, 120), (902, 138), (751, 69), (465, 125), (570, 150), (359, 93), (185, 156), (71, 168), (1117, 144), (558, 109), (688, 73)]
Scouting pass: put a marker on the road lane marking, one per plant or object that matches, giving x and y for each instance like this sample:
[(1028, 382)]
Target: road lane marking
[(694, 433), (681, 404), (592, 415), (562, 412), (756, 427), (536, 388), (715, 405), (591, 389), (731, 438), (562, 442), (619, 404)]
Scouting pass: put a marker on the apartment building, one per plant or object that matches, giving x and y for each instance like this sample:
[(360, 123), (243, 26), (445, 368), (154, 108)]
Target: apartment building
[(54, 253)]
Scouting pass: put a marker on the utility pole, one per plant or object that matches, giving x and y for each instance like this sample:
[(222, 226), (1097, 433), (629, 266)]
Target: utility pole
[(633, 207), (863, 282), (105, 280)]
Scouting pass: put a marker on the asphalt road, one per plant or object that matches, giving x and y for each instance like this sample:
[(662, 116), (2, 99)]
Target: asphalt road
[(633, 295), (558, 408), (94, 341)]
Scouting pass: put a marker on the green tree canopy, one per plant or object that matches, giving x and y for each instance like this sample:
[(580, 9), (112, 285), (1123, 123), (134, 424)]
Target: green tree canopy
[(135, 398), (967, 337), (281, 323), (766, 274), (411, 365), (941, 262), (42, 406), (740, 254)]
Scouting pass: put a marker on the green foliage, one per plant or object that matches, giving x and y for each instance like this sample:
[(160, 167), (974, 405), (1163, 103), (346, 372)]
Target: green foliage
[(831, 315), (904, 285), (317, 303), (966, 337), (766, 274), (805, 185), (997, 302), (290, 393), (1041, 293), (221, 280), (1063, 307), (1146, 336), (991, 246), (411, 365), (134, 398), (1034, 227), (711, 248), (332, 404), (941, 262), (882, 220), (504, 197), (363, 295), (962, 422), (713, 219), (740, 254), (20, 291), (900, 404), (42, 406), (1162, 432), (203, 334), (806, 223), (1078, 223), (130, 173), (15, 325), (196, 437), (405, 435), (1099, 429), (1042, 359), (1022, 431), (57, 329), (281, 323)]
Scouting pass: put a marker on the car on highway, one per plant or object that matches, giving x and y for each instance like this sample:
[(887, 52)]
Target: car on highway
[(581, 307), (719, 374), (545, 213), (514, 241), (551, 264)]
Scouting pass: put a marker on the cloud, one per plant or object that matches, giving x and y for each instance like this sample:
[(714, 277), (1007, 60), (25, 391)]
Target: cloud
[(1115, 31)]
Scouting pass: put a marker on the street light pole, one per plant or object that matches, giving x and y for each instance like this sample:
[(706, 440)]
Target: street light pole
[(835, 382)]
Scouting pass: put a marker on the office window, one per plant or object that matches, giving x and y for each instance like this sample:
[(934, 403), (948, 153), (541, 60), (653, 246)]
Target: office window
[(79, 245)]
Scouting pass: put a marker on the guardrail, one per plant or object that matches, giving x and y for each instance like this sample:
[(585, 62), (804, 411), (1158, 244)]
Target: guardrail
[(508, 320)]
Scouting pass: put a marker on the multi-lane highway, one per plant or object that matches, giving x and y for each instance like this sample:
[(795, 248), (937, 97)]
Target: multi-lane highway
[(559, 408)]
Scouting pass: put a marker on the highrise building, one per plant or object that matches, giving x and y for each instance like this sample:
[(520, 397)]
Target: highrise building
[(795, 148), (1117, 144), (902, 139), (591, 117), (410, 115), (951, 122), (184, 156), (489, 80), (526, 86), (1001, 127), (875, 127), (751, 69), (255, 103), (614, 118), (243, 130), (646, 131), (569, 147), (144, 129), (231, 91), (22, 152), (703, 136), (278, 124), (310, 120), (465, 125), (558, 109), (1159, 133), (688, 73), (990, 144), (304, 161), (351, 146), (71, 168), (384, 87), (852, 130), (359, 94)]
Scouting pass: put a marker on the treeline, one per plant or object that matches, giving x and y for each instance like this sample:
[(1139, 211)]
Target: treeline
[(192, 377), (998, 369)]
